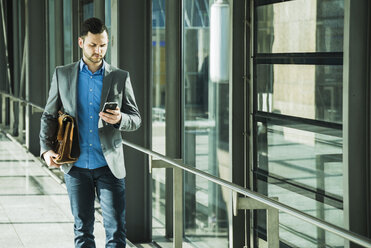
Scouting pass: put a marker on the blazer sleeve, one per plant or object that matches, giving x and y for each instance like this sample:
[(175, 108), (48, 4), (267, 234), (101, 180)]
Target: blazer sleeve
[(49, 118), (130, 116)]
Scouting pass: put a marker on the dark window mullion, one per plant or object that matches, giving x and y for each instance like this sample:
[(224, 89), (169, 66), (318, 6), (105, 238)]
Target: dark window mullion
[(268, 2), (296, 120), (334, 58), (304, 190), (287, 120), (300, 55)]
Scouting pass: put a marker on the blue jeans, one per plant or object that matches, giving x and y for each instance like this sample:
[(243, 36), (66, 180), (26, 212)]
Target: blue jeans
[(82, 184)]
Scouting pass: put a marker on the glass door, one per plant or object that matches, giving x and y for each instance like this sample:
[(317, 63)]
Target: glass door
[(158, 117), (297, 94), (205, 124)]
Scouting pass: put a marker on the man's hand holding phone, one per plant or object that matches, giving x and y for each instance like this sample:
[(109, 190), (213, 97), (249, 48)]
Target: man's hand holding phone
[(111, 113)]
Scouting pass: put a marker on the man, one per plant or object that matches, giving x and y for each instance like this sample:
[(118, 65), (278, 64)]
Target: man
[(81, 89)]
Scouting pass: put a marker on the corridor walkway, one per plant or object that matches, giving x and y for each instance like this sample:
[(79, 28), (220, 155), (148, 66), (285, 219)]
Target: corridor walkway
[(34, 206)]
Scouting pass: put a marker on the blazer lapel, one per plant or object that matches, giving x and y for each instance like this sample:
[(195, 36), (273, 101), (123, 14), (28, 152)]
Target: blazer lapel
[(106, 84)]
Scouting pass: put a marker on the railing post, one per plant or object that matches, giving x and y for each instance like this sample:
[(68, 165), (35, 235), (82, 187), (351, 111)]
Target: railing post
[(273, 240), (21, 120), (1, 108), (178, 207), (177, 198), (273, 227), (27, 127), (3, 111), (11, 116)]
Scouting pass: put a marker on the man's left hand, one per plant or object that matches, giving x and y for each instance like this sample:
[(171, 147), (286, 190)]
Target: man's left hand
[(112, 117)]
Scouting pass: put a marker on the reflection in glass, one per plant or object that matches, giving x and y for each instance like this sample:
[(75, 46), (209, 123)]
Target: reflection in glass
[(299, 160), (51, 37), (67, 33), (158, 114), (308, 91), (88, 9), (107, 22), (300, 26), (300, 157), (297, 233), (304, 170), (206, 133)]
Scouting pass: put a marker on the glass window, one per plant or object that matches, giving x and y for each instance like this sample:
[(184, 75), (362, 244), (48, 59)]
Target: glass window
[(297, 233), (298, 101), (308, 91), (206, 131), (51, 37), (87, 9), (300, 26), (107, 22), (304, 159), (67, 34), (158, 114)]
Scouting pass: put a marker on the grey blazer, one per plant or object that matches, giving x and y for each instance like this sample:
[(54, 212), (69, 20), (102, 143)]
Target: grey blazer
[(62, 96)]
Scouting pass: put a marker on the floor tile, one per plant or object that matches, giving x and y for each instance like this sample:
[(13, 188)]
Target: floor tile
[(34, 208), (30, 185), (53, 235), (9, 238), (20, 169), (3, 215)]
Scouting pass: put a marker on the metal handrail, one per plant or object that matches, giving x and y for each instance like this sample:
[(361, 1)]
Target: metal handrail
[(19, 99), (346, 234)]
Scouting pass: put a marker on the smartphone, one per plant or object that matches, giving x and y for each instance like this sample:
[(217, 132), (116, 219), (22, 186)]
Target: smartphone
[(109, 105)]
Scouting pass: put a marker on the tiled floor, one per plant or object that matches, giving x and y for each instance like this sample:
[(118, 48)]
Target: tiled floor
[(34, 207)]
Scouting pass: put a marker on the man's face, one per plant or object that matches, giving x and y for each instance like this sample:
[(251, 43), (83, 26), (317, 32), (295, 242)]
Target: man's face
[(94, 46)]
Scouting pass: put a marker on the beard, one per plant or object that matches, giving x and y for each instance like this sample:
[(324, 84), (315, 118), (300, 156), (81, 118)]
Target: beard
[(94, 58)]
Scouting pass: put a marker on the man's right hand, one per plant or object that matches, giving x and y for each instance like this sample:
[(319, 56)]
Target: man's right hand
[(48, 159)]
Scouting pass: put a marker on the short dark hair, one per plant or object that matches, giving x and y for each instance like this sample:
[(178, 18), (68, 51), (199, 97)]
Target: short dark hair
[(94, 26)]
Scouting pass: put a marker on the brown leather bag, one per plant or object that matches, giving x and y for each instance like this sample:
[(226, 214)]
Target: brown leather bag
[(66, 125)]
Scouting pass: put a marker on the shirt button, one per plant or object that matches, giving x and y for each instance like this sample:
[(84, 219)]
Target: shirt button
[(91, 89), (91, 131), (91, 117), (91, 76), (91, 103), (91, 144)]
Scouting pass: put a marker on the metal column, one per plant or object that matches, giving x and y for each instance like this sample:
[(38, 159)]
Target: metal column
[(59, 37), (239, 149), (35, 69), (134, 55), (173, 32), (356, 116)]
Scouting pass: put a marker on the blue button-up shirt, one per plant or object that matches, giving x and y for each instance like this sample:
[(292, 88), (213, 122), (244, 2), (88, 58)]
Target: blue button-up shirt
[(89, 91)]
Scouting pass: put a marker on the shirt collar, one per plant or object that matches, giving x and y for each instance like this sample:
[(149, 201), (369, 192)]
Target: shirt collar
[(83, 65)]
